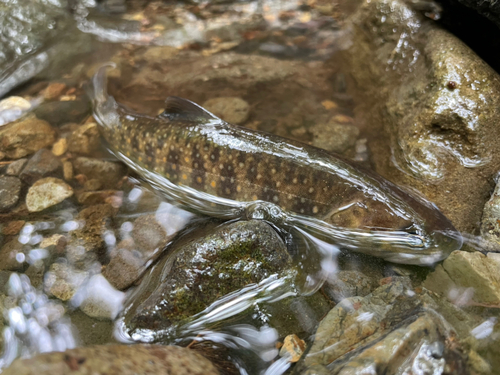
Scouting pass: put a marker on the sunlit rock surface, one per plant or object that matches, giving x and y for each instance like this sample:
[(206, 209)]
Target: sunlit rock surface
[(117, 360), (192, 276), (429, 104)]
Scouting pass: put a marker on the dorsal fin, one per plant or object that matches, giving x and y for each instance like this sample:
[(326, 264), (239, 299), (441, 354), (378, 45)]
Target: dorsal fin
[(182, 109)]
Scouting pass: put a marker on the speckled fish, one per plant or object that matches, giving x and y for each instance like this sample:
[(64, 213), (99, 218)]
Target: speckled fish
[(218, 169)]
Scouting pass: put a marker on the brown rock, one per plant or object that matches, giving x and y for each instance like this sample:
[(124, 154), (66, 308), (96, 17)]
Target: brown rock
[(124, 268), (107, 172), (10, 188), (89, 198), (54, 90), (116, 360), (43, 164), (230, 109), (25, 137), (12, 256), (85, 140), (60, 147), (67, 170), (13, 227), (46, 193)]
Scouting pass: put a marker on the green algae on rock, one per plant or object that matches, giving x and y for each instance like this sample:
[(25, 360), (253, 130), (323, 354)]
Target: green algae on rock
[(191, 276)]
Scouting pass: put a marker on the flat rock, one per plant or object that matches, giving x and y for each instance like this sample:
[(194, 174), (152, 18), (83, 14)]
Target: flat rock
[(16, 167), (46, 193), (10, 189), (230, 109), (25, 137), (468, 278), (194, 275), (429, 106), (61, 112), (349, 284), (116, 360), (42, 164), (334, 136), (107, 172)]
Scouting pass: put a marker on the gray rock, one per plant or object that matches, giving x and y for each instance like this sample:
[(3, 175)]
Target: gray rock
[(42, 164), (192, 276), (26, 136), (107, 172), (46, 193), (429, 106), (16, 167), (233, 110), (349, 284), (10, 188), (117, 359), (334, 136), (61, 112)]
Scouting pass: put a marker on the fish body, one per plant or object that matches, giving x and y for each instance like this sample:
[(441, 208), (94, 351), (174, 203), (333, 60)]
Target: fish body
[(218, 169)]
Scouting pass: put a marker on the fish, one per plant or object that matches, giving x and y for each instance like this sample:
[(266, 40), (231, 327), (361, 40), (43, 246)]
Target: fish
[(214, 168)]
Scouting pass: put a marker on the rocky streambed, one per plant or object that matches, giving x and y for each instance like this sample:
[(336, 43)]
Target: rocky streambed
[(100, 274)]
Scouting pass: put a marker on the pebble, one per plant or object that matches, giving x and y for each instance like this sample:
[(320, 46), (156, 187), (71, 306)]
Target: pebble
[(92, 185), (16, 167), (46, 193), (107, 172), (12, 108), (230, 109), (468, 278), (85, 140), (293, 347), (10, 189), (67, 170), (25, 137), (116, 359), (98, 299), (62, 281), (62, 112), (54, 90), (60, 147), (42, 164), (90, 198), (12, 256), (55, 244)]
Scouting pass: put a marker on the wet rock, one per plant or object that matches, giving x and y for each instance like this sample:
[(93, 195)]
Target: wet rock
[(86, 243), (98, 299), (468, 278), (60, 147), (293, 347), (349, 284), (107, 172), (334, 136), (25, 137), (12, 108), (116, 360), (85, 140), (10, 189), (92, 185), (233, 256), (388, 329), (67, 170), (12, 256), (13, 227), (147, 238), (62, 281), (62, 112), (490, 222), (54, 244), (46, 193), (233, 110), (90, 198), (16, 167), (54, 90), (429, 106), (42, 164)]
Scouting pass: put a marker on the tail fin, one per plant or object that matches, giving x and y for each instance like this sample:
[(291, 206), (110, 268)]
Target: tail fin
[(103, 104)]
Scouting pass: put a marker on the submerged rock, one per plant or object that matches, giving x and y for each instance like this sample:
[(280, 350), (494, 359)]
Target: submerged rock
[(46, 193), (335, 136), (12, 108), (429, 105), (116, 360), (26, 136), (42, 164), (107, 172), (85, 140), (61, 112), (490, 222), (233, 110), (10, 189), (192, 276), (16, 167)]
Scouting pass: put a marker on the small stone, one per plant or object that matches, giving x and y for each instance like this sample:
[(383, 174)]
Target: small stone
[(62, 112), (42, 164), (293, 347), (55, 244), (125, 266), (335, 136), (12, 256), (117, 359), (13, 227), (54, 90), (46, 193), (85, 140), (10, 189), (98, 299), (92, 184), (60, 147), (328, 104), (342, 119), (13, 108), (67, 170), (36, 273), (62, 281), (25, 137), (16, 167), (109, 173), (230, 109)]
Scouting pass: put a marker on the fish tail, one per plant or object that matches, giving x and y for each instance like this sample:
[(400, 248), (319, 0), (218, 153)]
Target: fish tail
[(103, 104)]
